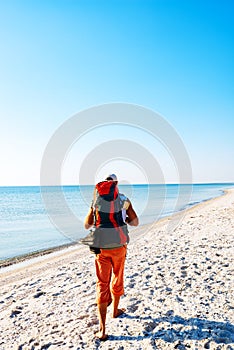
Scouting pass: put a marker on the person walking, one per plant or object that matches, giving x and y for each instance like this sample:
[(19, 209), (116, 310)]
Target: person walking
[(109, 214)]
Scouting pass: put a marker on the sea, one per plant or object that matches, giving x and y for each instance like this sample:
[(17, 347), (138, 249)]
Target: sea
[(34, 218)]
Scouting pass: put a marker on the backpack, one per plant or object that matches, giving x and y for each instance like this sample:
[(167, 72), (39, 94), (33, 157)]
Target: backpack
[(109, 229)]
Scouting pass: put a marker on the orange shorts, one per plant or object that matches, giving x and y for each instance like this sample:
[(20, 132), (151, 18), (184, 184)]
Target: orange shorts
[(110, 273)]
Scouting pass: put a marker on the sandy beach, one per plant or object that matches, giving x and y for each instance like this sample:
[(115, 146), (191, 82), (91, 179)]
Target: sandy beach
[(179, 290)]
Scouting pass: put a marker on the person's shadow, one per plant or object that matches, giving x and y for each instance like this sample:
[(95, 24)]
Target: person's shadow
[(191, 329)]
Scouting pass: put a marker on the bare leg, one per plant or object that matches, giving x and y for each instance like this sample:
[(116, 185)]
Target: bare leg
[(116, 312), (102, 309)]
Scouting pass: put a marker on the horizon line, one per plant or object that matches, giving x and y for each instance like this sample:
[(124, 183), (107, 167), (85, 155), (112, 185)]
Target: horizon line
[(124, 184)]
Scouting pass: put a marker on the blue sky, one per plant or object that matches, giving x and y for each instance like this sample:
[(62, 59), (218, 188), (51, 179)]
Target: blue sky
[(60, 57)]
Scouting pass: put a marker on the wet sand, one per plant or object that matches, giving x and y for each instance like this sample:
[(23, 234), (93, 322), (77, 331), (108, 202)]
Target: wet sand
[(179, 281)]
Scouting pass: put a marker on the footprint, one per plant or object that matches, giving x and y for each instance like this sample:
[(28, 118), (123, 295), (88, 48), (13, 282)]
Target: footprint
[(39, 294), (14, 313)]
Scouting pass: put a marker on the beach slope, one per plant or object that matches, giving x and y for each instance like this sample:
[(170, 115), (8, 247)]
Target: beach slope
[(178, 290)]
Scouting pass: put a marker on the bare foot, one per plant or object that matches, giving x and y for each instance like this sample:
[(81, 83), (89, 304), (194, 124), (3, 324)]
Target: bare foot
[(101, 336), (119, 312)]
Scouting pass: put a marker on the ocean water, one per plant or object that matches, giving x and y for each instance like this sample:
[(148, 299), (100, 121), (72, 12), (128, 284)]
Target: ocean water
[(34, 218)]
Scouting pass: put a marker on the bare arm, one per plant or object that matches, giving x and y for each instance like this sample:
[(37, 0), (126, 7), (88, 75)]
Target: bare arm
[(131, 218), (89, 219)]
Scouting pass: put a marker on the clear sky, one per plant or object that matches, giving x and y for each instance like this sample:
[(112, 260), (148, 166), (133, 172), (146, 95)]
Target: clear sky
[(172, 56)]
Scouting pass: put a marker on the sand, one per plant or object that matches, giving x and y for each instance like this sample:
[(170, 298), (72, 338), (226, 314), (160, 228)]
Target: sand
[(178, 290)]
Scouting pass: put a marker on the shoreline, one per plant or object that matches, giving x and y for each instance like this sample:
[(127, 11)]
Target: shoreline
[(39, 253), (179, 280), (22, 259)]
